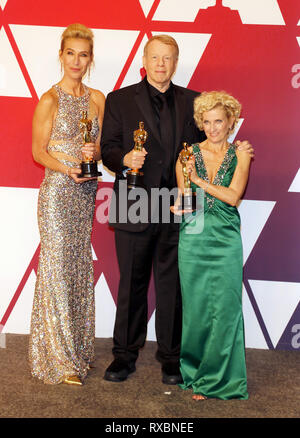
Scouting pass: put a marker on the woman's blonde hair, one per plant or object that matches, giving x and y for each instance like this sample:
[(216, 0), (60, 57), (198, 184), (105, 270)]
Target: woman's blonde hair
[(207, 101), (78, 30)]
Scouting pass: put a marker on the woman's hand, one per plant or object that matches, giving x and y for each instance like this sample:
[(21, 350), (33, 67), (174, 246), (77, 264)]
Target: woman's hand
[(245, 146), (89, 150), (175, 209), (191, 169), (74, 172)]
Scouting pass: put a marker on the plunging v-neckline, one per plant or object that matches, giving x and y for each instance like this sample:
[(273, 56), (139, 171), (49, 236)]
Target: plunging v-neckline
[(205, 168)]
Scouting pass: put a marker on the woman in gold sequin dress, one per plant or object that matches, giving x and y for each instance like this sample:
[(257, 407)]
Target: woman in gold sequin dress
[(63, 317)]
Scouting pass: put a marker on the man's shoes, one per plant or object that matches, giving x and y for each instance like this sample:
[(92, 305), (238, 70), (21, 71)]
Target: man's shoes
[(171, 373), (119, 370)]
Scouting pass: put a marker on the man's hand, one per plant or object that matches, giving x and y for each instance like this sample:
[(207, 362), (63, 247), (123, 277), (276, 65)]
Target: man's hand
[(245, 146), (135, 159)]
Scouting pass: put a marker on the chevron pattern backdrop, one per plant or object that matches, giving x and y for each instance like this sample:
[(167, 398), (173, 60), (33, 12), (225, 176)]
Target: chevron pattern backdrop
[(250, 48)]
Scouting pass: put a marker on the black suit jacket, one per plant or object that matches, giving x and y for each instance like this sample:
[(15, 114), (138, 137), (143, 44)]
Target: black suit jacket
[(124, 109)]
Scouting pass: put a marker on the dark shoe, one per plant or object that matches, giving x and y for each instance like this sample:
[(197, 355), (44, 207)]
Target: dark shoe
[(119, 370), (171, 373)]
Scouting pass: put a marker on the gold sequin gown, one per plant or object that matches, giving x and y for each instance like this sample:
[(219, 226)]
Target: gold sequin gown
[(63, 316)]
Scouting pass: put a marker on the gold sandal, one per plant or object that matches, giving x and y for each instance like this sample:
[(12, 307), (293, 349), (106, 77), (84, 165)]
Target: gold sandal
[(198, 397), (73, 380)]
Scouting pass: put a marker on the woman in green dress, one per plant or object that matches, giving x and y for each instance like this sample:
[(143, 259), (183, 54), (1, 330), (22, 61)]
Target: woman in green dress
[(210, 257)]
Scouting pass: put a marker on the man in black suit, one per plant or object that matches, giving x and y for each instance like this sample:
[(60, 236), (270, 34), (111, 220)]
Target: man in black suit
[(167, 113)]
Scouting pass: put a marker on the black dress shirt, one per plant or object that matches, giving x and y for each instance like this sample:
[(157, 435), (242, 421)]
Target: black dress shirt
[(166, 129)]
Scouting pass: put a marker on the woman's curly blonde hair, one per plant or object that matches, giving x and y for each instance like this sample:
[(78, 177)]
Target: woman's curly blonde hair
[(207, 101)]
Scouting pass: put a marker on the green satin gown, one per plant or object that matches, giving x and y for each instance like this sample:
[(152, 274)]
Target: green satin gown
[(212, 360)]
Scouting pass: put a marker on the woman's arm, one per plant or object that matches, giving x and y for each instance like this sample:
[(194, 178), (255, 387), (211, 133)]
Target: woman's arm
[(41, 129), (232, 194)]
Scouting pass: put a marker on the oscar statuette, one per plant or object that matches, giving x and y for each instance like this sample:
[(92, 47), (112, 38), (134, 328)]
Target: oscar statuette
[(134, 176), (188, 198), (89, 168)]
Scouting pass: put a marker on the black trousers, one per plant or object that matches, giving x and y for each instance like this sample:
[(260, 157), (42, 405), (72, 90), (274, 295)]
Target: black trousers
[(157, 246)]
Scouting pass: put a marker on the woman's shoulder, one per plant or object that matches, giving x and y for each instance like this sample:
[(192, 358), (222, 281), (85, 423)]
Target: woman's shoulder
[(48, 101), (97, 95), (98, 98), (49, 97)]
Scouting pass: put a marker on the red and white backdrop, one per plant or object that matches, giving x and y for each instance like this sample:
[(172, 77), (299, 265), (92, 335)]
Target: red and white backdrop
[(250, 48)]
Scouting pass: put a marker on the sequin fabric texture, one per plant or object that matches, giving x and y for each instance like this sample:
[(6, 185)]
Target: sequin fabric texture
[(230, 154), (63, 315)]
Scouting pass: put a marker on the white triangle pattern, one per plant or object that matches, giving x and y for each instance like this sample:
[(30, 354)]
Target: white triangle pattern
[(112, 47), (232, 136), (151, 335), (254, 337), (105, 309), (256, 11), (133, 74), (17, 247), (146, 6), (277, 302), (188, 57), (3, 4), (295, 186), (167, 11), (2, 338), (251, 11), (12, 82), (250, 229), (93, 253), (107, 175), (44, 69), (23, 307), (298, 39)]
